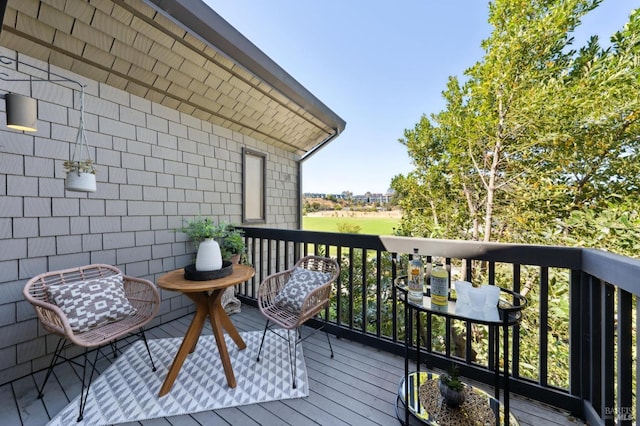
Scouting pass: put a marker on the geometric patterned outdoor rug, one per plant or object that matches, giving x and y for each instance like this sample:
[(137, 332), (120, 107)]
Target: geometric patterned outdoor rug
[(128, 390)]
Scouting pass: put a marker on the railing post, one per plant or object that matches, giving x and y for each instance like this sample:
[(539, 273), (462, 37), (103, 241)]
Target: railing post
[(364, 292), (595, 346), (544, 326), (578, 335), (394, 294), (515, 370), (608, 353), (637, 353), (339, 290), (625, 358)]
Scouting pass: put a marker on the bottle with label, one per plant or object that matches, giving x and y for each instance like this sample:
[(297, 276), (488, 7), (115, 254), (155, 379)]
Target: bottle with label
[(416, 278), (439, 287)]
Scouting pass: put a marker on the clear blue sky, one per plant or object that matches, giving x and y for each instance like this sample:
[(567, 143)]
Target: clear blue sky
[(379, 65)]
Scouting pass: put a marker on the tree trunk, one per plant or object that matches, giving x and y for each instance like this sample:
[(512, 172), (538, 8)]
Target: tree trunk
[(493, 172), (473, 212)]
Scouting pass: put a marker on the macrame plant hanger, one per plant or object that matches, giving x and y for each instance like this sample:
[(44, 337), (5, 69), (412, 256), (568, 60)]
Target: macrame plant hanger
[(81, 172)]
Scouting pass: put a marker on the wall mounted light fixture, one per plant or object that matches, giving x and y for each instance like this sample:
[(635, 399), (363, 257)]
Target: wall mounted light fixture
[(22, 112)]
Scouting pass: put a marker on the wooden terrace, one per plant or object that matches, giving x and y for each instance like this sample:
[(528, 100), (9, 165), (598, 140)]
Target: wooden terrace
[(357, 387)]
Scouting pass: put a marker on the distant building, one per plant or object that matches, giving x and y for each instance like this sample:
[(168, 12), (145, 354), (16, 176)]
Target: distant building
[(367, 198), (370, 198)]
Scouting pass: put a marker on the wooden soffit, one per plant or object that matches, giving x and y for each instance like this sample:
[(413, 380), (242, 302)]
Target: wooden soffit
[(178, 53)]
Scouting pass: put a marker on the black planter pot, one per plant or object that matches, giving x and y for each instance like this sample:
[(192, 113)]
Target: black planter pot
[(453, 398)]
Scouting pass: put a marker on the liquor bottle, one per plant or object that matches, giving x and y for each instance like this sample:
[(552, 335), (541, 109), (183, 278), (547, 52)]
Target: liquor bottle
[(416, 278), (439, 287)]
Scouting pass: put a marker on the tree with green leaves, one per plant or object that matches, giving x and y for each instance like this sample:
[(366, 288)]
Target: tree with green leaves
[(539, 142), (536, 131)]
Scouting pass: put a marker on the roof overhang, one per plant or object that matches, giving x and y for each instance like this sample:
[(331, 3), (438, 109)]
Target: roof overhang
[(178, 53)]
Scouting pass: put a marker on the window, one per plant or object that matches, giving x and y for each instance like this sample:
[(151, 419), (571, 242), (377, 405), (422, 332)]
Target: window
[(254, 173)]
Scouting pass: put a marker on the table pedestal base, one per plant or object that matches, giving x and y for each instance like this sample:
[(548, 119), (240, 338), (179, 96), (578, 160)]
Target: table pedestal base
[(207, 305)]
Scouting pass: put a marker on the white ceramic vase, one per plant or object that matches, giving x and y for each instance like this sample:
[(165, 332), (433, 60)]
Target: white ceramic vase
[(80, 182), (209, 257)]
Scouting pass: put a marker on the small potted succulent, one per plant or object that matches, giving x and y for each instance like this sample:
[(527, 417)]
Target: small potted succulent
[(451, 387), (81, 176)]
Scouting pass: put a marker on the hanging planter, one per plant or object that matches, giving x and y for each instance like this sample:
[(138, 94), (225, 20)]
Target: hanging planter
[(81, 176), (81, 171)]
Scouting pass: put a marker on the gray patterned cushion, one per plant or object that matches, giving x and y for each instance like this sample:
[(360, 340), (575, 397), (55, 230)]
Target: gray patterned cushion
[(88, 304), (301, 282)]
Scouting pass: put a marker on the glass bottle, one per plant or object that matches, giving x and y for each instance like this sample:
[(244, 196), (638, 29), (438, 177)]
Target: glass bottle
[(416, 278), (439, 287)]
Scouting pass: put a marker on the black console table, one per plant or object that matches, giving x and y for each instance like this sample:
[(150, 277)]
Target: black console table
[(507, 313)]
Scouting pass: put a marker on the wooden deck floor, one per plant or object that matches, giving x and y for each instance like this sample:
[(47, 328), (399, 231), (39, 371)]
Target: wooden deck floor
[(357, 387)]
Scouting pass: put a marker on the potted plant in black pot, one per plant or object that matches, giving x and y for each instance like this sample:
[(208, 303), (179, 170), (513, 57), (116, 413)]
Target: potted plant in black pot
[(451, 387)]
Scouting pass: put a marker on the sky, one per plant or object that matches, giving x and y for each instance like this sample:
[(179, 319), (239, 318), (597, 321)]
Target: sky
[(380, 65)]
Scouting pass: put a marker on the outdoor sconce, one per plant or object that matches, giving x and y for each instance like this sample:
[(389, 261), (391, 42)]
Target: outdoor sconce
[(22, 112)]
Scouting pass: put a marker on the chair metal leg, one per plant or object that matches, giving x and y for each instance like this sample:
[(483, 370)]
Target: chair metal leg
[(294, 363), (328, 340), (146, 344), (114, 348), (87, 379), (266, 327), (324, 325), (292, 347), (56, 356), (84, 394)]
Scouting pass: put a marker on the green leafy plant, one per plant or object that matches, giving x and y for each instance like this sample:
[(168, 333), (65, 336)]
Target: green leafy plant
[(452, 379), (232, 242), (84, 166), (230, 238), (201, 228)]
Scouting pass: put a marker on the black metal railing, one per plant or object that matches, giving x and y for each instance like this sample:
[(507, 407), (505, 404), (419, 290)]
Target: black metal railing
[(581, 313)]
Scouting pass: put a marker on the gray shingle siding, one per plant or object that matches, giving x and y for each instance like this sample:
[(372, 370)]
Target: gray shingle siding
[(155, 167)]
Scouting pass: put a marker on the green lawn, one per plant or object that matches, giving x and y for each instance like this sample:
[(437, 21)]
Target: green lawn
[(368, 225)]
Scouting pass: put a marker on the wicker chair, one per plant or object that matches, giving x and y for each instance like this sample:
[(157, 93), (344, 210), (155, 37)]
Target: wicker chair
[(141, 294), (310, 304)]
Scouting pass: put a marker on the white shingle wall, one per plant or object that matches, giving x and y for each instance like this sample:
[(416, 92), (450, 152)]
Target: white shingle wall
[(156, 167)]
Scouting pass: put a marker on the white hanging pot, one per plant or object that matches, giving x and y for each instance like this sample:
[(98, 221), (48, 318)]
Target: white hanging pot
[(80, 182), (80, 168), (209, 257)]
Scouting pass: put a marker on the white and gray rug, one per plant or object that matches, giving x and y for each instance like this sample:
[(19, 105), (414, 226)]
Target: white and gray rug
[(128, 390)]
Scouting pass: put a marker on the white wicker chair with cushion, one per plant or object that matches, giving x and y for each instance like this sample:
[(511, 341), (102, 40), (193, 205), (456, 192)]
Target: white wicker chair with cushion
[(91, 306), (290, 298)]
